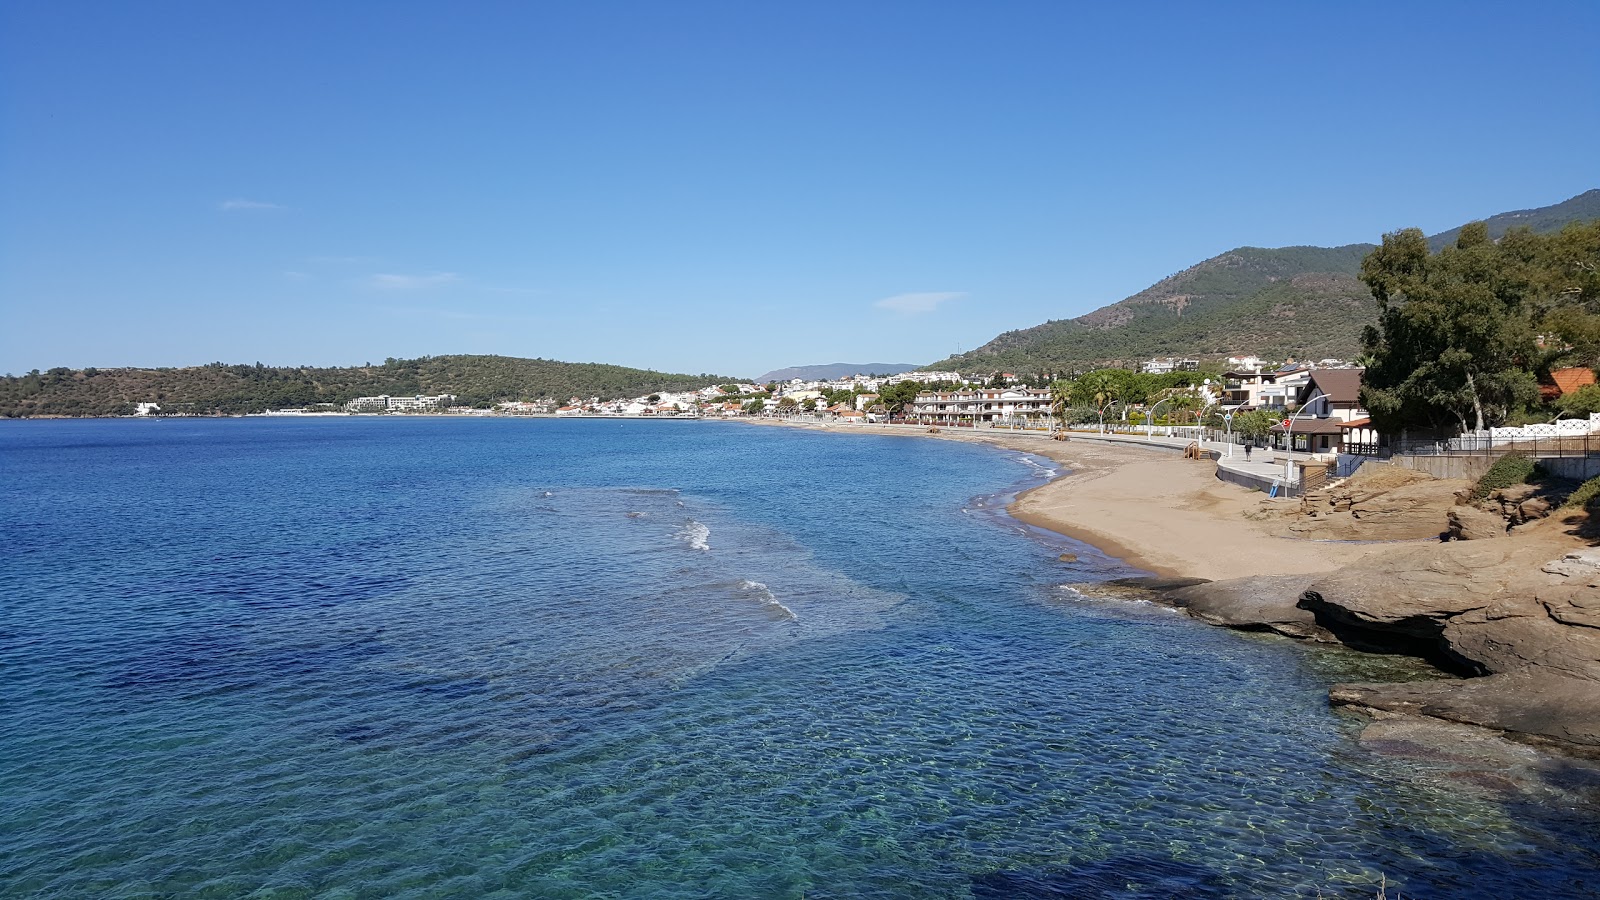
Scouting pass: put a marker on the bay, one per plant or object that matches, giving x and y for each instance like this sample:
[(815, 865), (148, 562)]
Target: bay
[(429, 657)]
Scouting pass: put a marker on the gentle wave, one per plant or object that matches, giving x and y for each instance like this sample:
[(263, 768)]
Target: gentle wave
[(765, 595), (1042, 470)]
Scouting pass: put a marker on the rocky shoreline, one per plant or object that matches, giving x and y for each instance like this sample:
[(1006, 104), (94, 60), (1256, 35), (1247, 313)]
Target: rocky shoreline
[(1521, 628), (1510, 606)]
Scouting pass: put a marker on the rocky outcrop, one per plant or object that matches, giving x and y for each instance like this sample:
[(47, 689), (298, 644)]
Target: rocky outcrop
[(1381, 502), (1500, 609), (1259, 603), (1504, 510), (1483, 608)]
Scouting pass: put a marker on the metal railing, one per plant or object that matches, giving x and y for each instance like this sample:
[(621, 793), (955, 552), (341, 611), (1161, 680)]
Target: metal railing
[(1486, 445)]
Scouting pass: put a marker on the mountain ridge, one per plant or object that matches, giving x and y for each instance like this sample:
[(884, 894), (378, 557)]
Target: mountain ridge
[(1287, 302)]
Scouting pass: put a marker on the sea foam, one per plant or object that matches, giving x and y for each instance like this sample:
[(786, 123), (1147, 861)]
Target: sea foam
[(695, 534)]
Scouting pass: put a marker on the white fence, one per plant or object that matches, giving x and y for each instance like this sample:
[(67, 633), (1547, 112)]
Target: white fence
[(1561, 428)]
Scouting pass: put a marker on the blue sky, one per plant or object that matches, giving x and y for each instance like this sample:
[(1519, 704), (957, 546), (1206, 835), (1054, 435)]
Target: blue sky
[(725, 187)]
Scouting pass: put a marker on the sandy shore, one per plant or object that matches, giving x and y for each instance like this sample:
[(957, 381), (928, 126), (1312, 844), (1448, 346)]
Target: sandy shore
[(1152, 508)]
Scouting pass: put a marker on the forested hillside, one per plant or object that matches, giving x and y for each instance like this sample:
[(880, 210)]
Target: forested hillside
[(1288, 302), (218, 388)]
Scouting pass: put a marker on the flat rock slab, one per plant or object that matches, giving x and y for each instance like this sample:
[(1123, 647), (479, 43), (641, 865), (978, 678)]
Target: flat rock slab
[(1257, 603), (1536, 708)]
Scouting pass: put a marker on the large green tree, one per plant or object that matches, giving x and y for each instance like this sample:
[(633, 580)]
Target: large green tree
[(1455, 336)]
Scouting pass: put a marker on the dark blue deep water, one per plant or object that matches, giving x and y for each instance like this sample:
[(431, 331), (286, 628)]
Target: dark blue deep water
[(501, 658)]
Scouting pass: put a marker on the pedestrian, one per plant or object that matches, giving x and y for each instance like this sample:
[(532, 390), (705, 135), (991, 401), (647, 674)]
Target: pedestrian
[(1246, 452)]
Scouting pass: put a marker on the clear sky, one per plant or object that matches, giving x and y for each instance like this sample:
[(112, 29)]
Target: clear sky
[(726, 187)]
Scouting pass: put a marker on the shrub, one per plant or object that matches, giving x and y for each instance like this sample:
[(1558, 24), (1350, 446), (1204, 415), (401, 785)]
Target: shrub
[(1513, 468), (1586, 494)]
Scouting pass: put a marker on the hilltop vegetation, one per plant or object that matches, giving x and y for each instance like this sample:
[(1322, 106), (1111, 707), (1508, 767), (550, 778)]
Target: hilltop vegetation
[(222, 389), (1288, 302)]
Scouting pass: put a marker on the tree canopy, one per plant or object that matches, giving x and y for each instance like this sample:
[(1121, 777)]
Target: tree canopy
[(1462, 334)]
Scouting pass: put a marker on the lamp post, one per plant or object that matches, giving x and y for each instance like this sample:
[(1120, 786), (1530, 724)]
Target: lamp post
[(1227, 419), (1150, 423), (1288, 456)]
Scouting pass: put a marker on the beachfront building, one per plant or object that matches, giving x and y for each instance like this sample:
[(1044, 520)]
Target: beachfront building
[(1010, 405), (1329, 417), (386, 403)]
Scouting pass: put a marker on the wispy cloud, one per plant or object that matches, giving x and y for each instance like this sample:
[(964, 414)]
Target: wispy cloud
[(292, 275), (239, 204), (917, 304), (389, 282)]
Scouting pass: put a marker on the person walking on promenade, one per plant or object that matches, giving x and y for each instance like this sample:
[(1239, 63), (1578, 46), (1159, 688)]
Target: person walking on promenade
[(1246, 452)]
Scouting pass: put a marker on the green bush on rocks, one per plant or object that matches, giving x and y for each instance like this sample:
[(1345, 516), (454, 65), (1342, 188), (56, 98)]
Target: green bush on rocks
[(1513, 468), (1587, 494)]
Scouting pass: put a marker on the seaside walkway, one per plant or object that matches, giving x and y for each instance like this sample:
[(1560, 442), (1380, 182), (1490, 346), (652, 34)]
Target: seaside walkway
[(1261, 471)]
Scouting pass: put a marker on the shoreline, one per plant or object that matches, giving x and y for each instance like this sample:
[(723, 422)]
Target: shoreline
[(1148, 507)]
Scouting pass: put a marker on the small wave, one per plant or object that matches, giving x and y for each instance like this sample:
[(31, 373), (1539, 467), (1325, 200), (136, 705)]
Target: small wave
[(765, 595), (695, 534), (1043, 471)]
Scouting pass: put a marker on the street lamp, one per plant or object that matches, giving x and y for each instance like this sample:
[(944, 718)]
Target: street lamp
[(1150, 423), (1227, 419), (1288, 436)]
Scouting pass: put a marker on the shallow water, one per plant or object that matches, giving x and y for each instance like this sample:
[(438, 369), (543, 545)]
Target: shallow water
[(434, 657)]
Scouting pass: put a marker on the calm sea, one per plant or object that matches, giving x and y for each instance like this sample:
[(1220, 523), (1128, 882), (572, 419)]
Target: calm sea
[(497, 658)]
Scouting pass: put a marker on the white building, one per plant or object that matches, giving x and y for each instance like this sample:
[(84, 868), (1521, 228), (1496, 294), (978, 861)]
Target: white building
[(386, 403), (1006, 405), (146, 409), (1169, 365)]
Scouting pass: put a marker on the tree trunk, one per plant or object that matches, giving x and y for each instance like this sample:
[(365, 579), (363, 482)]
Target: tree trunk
[(1477, 405)]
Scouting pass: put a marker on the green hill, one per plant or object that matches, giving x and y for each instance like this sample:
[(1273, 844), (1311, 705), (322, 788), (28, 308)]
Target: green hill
[(1582, 208), (1289, 302), (220, 389)]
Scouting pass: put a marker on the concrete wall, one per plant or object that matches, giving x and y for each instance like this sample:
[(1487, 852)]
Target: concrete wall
[(1578, 468), (1244, 479), (1469, 467)]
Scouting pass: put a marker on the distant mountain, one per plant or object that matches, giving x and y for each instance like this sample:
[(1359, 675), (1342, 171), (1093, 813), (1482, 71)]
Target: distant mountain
[(1288, 302), (1582, 208), (835, 370), (218, 388)]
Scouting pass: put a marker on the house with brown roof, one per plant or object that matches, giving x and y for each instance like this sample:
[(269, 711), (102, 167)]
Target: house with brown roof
[(1329, 417)]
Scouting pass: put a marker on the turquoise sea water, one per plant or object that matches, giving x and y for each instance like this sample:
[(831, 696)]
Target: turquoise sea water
[(500, 658)]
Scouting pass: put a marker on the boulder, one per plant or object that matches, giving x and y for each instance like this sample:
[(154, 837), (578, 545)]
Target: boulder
[(1534, 707), (1258, 603), (1470, 523)]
